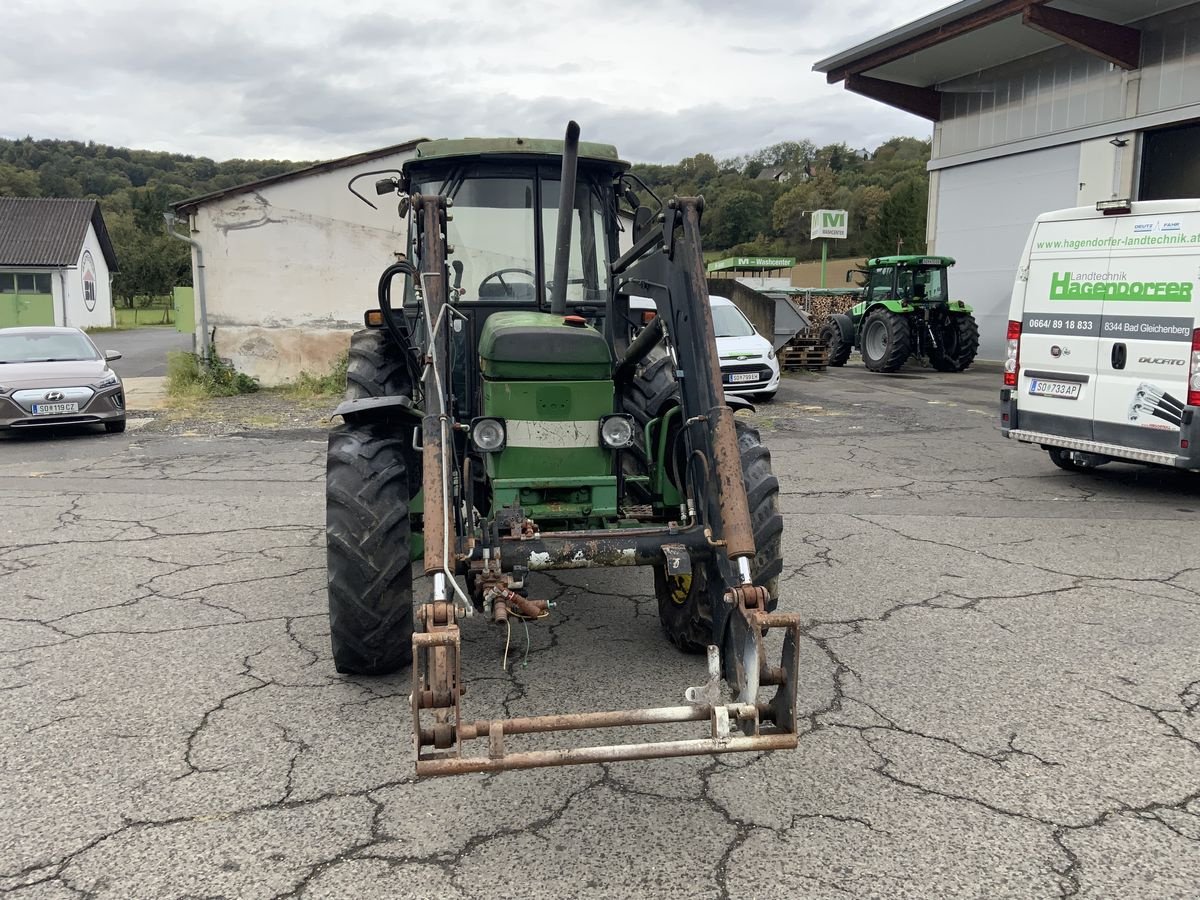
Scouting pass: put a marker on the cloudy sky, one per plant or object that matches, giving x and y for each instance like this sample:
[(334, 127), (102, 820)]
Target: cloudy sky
[(311, 80)]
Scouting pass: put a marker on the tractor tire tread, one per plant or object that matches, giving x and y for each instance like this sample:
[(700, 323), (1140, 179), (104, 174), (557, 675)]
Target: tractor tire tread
[(368, 534), (899, 344)]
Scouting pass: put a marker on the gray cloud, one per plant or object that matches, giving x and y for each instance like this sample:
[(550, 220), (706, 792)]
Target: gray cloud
[(244, 78)]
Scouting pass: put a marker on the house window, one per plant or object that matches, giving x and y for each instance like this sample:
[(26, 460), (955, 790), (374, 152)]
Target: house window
[(24, 283)]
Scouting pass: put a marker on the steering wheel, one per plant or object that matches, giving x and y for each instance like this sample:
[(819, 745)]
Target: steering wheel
[(499, 276)]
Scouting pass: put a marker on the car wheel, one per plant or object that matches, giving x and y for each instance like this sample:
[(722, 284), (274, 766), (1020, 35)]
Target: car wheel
[(115, 427)]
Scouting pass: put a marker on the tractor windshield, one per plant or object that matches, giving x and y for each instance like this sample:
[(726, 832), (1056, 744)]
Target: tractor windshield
[(924, 284), (503, 229)]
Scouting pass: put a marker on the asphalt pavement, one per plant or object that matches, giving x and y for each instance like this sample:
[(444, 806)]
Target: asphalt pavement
[(143, 350), (1000, 687)]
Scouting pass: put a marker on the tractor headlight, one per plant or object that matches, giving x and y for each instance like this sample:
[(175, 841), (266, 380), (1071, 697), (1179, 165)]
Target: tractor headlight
[(616, 432), (488, 435)]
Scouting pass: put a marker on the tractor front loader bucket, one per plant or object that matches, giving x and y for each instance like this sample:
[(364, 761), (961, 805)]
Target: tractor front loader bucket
[(441, 737)]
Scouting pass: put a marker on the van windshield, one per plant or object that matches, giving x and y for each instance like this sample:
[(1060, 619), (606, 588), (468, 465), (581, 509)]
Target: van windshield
[(728, 321)]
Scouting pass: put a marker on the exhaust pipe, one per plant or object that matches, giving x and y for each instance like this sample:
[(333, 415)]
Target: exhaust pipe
[(566, 206)]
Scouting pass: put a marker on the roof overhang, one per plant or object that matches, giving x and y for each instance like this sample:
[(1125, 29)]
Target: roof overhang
[(904, 67)]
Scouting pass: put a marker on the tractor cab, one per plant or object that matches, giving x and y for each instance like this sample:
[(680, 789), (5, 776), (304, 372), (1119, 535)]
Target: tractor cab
[(912, 280)]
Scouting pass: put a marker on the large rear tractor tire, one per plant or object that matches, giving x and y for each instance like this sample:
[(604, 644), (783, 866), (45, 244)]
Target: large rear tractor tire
[(685, 603), (960, 344), (886, 342), (839, 350), (367, 535)]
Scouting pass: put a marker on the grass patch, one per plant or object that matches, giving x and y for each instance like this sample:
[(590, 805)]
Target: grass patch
[(191, 376), (332, 384)]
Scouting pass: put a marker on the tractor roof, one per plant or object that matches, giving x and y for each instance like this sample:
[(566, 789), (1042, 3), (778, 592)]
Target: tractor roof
[(911, 261), (449, 148)]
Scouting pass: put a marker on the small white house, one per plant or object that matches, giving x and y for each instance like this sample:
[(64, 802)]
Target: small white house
[(291, 262), (56, 263)]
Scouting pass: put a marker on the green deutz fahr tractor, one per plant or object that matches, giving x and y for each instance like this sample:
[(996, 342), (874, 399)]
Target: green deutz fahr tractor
[(510, 415), (906, 312)]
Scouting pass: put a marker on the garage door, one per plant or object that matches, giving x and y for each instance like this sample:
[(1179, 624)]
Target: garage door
[(984, 213)]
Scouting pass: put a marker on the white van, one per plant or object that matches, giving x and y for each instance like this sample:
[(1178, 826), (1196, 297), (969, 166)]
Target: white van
[(749, 367), (1103, 358)]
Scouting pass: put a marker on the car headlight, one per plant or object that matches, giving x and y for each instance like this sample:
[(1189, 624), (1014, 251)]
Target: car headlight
[(488, 435), (616, 432), (108, 381)]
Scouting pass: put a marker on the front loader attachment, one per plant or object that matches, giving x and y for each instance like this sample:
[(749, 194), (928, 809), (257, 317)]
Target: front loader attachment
[(749, 722)]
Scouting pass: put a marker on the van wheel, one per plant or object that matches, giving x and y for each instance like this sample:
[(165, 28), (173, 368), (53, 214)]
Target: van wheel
[(886, 341), (960, 343), (1062, 458)]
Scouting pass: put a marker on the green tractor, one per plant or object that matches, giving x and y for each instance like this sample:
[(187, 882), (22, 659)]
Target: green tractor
[(906, 311), (507, 413)]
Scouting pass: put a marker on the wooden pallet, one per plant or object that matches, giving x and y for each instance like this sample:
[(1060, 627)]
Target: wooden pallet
[(810, 357)]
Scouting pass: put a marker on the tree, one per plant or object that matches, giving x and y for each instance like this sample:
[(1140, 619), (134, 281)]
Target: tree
[(901, 226), (791, 216), (16, 182), (737, 217)]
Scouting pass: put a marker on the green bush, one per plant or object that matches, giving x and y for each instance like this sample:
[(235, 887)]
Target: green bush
[(331, 384), (190, 375)]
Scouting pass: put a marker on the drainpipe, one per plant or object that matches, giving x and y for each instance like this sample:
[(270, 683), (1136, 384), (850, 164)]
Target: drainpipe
[(62, 287), (198, 264)]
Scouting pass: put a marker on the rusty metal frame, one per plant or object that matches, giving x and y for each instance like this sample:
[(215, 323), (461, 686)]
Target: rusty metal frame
[(440, 737)]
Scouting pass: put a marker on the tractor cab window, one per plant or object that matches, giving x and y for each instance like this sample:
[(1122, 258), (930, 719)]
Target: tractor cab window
[(503, 228), (492, 231), (923, 285), (587, 270), (880, 286)]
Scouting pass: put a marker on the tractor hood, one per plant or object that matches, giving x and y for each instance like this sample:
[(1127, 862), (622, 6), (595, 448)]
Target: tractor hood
[(520, 345)]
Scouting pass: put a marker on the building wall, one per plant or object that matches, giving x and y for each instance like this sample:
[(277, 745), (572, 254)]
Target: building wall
[(290, 268), (985, 211), (1064, 89), (88, 287), (1037, 134)]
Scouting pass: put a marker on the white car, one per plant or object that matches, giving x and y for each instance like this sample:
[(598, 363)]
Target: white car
[(748, 363)]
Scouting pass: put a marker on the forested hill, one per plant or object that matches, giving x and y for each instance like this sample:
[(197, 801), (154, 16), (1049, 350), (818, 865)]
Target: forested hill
[(134, 187), (757, 204), (760, 205)]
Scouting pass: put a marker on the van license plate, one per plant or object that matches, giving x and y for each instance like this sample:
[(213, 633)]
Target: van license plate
[(743, 377), (1068, 390), (54, 409)]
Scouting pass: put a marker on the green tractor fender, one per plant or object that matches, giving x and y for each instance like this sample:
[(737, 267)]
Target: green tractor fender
[(957, 306)]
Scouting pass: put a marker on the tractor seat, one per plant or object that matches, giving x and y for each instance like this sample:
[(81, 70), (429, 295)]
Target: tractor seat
[(517, 291)]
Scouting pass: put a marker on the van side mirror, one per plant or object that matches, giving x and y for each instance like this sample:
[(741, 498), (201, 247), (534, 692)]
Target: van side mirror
[(110, 355)]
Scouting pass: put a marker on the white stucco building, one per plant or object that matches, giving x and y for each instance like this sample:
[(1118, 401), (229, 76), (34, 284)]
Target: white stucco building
[(56, 263), (1037, 105), (291, 262)]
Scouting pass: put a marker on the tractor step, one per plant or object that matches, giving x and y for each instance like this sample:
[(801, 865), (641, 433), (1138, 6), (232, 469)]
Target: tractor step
[(748, 723)]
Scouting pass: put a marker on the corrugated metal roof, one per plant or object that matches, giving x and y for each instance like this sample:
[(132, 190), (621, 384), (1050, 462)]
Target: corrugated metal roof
[(44, 231), (190, 204)]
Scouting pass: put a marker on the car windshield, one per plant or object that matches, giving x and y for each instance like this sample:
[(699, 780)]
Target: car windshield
[(61, 346), (728, 321)]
